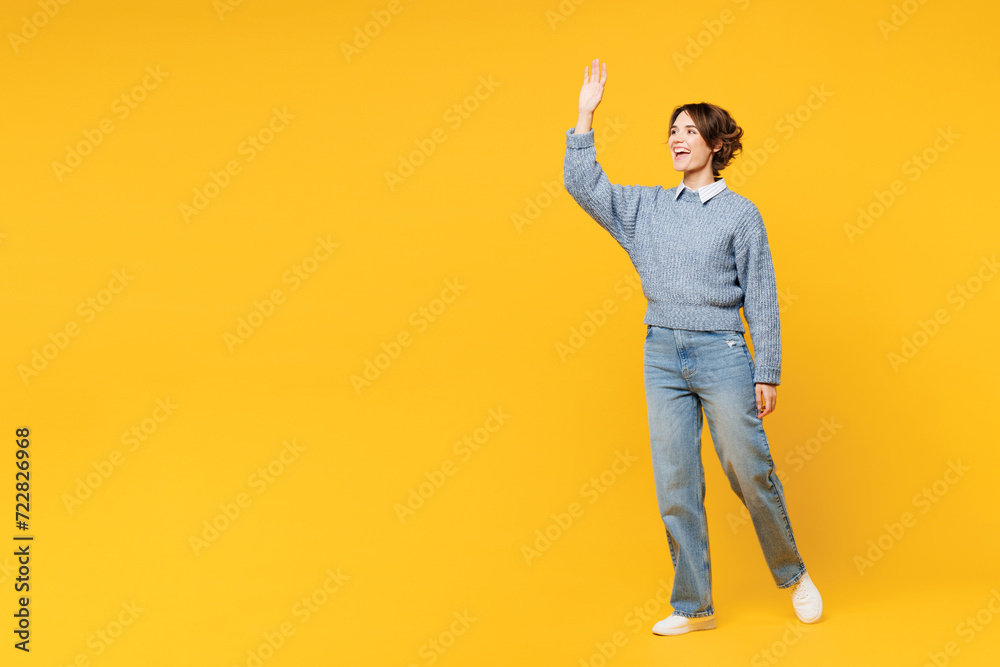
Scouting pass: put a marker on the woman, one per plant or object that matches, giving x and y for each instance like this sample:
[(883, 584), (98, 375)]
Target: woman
[(701, 251)]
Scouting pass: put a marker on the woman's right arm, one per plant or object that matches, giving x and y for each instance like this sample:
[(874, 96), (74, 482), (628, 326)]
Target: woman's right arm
[(614, 207)]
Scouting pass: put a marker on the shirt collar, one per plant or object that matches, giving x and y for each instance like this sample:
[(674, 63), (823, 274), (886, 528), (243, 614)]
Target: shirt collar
[(705, 192)]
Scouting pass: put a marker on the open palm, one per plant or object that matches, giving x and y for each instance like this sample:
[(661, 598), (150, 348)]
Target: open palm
[(593, 85)]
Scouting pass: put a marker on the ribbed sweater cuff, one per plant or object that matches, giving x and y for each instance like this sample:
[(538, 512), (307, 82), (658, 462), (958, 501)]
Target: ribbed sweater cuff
[(767, 375), (584, 140)]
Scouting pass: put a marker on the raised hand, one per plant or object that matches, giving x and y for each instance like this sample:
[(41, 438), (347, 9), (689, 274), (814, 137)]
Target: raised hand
[(593, 86)]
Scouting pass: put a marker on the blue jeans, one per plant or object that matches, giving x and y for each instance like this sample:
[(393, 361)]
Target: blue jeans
[(686, 371)]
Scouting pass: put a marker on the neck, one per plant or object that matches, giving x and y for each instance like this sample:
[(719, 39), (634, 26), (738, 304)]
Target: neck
[(700, 178)]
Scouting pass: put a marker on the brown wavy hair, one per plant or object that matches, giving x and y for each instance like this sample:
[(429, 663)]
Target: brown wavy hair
[(716, 127)]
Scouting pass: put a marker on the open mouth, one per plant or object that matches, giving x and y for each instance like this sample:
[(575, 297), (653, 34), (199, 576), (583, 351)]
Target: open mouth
[(680, 153)]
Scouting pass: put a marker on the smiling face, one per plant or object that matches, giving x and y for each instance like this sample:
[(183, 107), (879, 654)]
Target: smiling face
[(687, 146)]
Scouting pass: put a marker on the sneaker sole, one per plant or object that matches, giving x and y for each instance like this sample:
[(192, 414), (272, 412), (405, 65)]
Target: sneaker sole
[(691, 627), (811, 620)]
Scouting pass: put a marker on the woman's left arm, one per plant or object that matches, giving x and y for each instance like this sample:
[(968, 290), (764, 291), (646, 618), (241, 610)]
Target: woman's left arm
[(755, 272)]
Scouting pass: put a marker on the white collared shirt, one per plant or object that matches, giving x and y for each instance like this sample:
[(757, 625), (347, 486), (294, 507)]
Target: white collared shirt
[(705, 192)]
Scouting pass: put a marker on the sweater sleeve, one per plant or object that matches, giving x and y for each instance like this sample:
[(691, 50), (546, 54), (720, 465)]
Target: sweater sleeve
[(614, 207), (755, 272)]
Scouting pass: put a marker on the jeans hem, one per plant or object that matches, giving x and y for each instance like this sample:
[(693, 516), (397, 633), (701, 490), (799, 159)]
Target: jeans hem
[(698, 615), (794, 580)]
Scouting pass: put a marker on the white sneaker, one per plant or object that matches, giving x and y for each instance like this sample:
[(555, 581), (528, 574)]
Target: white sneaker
[(678, 625), (806, 600)]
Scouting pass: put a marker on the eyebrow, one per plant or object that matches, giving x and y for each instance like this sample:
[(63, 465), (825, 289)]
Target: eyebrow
[(675, 125)]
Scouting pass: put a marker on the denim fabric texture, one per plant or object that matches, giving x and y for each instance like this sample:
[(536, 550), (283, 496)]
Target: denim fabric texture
[(687, 372)]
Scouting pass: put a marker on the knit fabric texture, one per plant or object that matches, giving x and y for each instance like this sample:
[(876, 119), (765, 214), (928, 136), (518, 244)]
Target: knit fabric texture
[(699, 262)]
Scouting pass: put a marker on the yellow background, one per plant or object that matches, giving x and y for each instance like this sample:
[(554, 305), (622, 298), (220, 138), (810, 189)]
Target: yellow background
[(845, 307)]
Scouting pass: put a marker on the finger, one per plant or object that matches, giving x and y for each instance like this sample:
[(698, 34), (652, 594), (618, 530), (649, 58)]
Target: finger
[(604, 73)]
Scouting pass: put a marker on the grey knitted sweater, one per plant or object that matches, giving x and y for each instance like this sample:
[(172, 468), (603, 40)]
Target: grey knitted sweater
[(698, 262)]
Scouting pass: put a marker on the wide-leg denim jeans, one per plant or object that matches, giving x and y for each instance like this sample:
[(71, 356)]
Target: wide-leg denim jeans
[(687, 371)]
